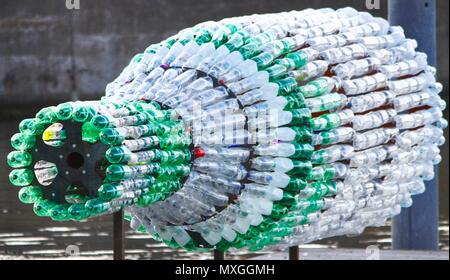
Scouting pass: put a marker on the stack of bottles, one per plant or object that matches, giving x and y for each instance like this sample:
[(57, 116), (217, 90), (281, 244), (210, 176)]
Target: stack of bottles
[(147, 156), (302, 125)]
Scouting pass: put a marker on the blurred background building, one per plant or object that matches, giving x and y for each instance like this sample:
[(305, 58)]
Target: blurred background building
[(50, 54)]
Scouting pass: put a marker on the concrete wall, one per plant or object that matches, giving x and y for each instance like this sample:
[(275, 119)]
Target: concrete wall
[(50, 54)]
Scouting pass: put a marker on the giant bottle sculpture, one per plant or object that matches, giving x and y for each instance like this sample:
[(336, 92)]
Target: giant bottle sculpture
[(247, 132)]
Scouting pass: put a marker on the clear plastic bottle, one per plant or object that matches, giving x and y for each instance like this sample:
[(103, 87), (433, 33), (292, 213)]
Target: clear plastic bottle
[(236, 172), (410, 85), (417, 119), (344, 54), (406, 67), (373, 137), (413, 100), (392, 39), (365, 84), (265, 92), (373, 156), (357, 68), (373, 119), (428, 133), (255, 81), (366, 102)]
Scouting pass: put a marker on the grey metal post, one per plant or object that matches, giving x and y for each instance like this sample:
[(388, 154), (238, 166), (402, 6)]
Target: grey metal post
[(417, 227)]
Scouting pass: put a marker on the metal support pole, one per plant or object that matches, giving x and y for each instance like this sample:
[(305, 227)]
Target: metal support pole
[(118, 236), (417, 227), (218, 255), (294, 253)]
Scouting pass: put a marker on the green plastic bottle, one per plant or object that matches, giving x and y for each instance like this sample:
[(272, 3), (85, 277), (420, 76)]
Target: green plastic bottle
[(83, 113), (21, 177), (318, 189), (318, 87), (78, 212), (64, 111), (303, 134), (101, 121), (30, 194), (295, 184), (117, 172), (322, 173), (300, 168), (263, 60), (110, 191), (21, 141), (31, 126), (47, 115), (276, 71), (327, 121), (59, 212), (96, 206), (286, 85), (17, 159), (42, 207)]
